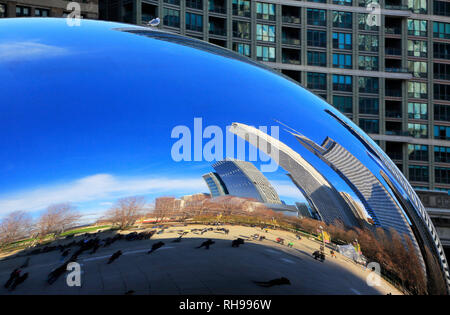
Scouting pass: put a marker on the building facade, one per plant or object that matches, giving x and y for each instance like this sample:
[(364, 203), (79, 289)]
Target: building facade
[(49, 8), (243, 179), (390, 75), (215, 185)]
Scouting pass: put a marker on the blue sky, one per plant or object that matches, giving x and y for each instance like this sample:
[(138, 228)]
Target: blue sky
[(87, 113)]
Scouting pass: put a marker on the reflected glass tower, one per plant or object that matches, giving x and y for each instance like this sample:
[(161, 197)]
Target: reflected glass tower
[(243, 179), (215, 185)]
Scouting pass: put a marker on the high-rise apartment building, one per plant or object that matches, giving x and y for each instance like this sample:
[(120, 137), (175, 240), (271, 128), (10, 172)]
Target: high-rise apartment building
[(390, 75)]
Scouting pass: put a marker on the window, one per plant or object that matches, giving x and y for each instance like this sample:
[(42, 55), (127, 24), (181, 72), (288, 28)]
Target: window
[(442, 112), (265, 53), (442, 154), (243, 49), (417, 111), (369, 125), (417, 48), (317, 58), (442, 175), (171, 17), (441, 71), (342, 19), (441, 50), (417, 27), (362, 22), (316, 81), (364, 3), (368, 43), (418, 130), (418, 173), (417, 152), (195, 4), (241, 29), (217, 7), (369, 63), (2, 10), (441, 30), (41, 12), (317, 38), (418, 6), (418, 68), (265, 32), (343, 103), (194, 22), (316, 17), (22, 11), (241, 8), (342, 40), (368, 105), (417, 90), (265, 11), (343, 2), (343, 61), (442, 132), (342, 83), (174, 2), (441, 92), (368, 85), (441, 8)]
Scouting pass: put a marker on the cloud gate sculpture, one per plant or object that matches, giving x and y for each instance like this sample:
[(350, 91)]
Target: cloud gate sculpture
[(93, 112)]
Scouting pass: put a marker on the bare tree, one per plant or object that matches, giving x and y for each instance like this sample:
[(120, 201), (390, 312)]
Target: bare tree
[(57, 219), (126, 211), (15, 226), (164, 207)]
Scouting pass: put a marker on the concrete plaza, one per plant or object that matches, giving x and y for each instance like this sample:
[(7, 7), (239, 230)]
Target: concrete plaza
[(180, 268)]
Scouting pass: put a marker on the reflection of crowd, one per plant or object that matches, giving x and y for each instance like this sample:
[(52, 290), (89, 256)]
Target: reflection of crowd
[(90, 244)]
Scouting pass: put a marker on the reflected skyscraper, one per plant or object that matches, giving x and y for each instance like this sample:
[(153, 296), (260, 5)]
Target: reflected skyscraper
[(316, 188), (215, 184), (243, 179)]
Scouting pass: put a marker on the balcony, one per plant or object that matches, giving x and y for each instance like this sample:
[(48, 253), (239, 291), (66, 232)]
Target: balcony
[(395, 155), (291, 19), (218, 31), (342, 87), (397, 70), (396, 7), (290, 36), (393, 30), (217, 26), (217, 9), (393, 51), (290, 56), (394, 92), (290, 41), (290, 61), (393, 114)]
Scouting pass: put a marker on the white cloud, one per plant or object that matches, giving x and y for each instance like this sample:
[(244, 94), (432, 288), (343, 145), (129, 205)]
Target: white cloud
[(99, 187), (107, 203), (28, 50)]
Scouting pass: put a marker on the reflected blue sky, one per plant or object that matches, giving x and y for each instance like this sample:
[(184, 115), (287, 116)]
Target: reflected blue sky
[(90, 103)]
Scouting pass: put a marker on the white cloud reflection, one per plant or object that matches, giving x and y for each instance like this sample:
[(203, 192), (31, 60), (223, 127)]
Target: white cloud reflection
[(26, 50), (99, 187)]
